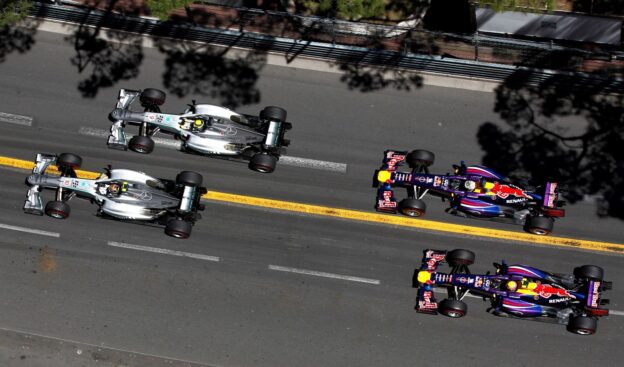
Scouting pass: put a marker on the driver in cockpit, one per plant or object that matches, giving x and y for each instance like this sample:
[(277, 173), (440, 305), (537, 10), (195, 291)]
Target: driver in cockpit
[(196, 123)]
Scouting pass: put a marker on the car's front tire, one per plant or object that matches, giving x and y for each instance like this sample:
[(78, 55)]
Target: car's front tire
[(460, 257), (57, 209), (452, 308), (178, 228), (412, 207), (420, 158), (152, 97), (68, 160), (141, 144), (264, 163), (273, 113)]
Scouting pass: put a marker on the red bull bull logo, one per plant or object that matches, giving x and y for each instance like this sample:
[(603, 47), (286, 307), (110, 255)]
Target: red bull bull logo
[(546, 291), (504, 191)]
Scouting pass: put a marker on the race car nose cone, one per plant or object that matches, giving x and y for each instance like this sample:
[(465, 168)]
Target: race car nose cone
[(117, 114), (34, 179), (383, 176)]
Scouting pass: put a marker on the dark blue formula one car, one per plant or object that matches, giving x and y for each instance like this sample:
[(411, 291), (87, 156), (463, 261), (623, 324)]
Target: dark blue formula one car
[(514, 291), (473, 191)]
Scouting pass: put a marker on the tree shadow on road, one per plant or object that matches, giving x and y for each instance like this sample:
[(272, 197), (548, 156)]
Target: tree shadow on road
[(560, 131), (18, 39), (106, 61), (223, 74)]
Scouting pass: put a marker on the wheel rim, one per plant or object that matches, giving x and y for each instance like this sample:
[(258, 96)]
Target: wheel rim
[(177, 234), (140, 149), (539, 231), (412, 212), (263, 169), (584, 331), (57, 214), (454, 314)]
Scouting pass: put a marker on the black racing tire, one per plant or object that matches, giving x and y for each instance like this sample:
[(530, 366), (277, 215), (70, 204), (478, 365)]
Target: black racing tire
[(141, 144), (68, 160), (273, 113), (57, 209), (591, 272), (419, 158), (151, 97), (582, 325), (189, 178), (263, 163), (412, 207), (178, 228), (452, 308), (460, 257), (539, 226)]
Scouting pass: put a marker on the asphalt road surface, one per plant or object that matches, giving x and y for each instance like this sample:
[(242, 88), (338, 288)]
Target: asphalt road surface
[(270, 288)]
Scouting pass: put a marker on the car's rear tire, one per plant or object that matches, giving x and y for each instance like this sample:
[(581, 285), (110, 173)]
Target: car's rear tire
[(68, 160), (420, 158), (452, 308), (412, 207), (591, 272), (460, 257), (57, 209), (178, 228), (141, 144), (151, 97), (264, 163), (189, 178), (540, 226), (273, 113), (582, 325)]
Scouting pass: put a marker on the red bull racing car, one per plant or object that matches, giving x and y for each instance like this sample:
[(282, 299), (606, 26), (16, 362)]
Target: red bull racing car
[(514, 291), (473, 191)]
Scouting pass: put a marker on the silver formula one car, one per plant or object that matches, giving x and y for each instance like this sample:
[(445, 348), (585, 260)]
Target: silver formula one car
[(120, 194), (203, 129)]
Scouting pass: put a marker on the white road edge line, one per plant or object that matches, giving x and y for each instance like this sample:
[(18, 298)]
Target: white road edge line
[(286, 160), (16, 119), (323, 274), (30, 230), (162, 251), (611, 312)]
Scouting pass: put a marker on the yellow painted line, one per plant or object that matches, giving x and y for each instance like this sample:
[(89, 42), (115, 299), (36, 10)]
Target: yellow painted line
[(374, 217)]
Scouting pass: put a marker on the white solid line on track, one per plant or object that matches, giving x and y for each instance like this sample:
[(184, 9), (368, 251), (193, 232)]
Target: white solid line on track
[(323, 274), (16, 119), (285, 160), (30, 230), (162, 251)]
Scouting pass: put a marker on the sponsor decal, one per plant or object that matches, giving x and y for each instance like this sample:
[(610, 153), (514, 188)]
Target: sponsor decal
[(558, 300), (145, 196), (445, 183), (230, 130), (504, 191), (547, 290), (66, 182), (426, 301), (421, 179), (437, 181), (461, 279), (478, 282), (159, 118), (84, 184), (470, 280), (433, 259), (595, 292), (386, 200), (151, 116), (486, 283), (513, 201), (74, 183)]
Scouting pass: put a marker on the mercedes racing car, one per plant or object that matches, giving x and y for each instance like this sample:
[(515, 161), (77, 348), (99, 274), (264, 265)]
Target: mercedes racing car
[(202, 129), (473, 191), (120, 194), (517, 291)]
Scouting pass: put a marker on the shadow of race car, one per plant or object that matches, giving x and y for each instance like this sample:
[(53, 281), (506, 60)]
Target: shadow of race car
[(514, 291), (473, 191), (121, 194), (203, 129)]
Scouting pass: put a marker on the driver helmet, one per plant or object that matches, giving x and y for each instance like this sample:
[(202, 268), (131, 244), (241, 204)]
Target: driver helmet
[(198, 124), (470, 185), (114, 188), (511, 285)]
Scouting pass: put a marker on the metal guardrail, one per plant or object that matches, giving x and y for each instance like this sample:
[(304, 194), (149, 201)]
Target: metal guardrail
[(327, 51)]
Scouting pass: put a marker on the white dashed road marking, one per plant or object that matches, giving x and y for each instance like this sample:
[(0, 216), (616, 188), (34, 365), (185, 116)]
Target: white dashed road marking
[(163, 251), (30, 230), (285, 160), (323, 274), (16, 119)]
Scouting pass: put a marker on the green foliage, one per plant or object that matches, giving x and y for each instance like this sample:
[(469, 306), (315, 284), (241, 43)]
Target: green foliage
[(346, 9), (162, 8), (519, 5), (12, 11)]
